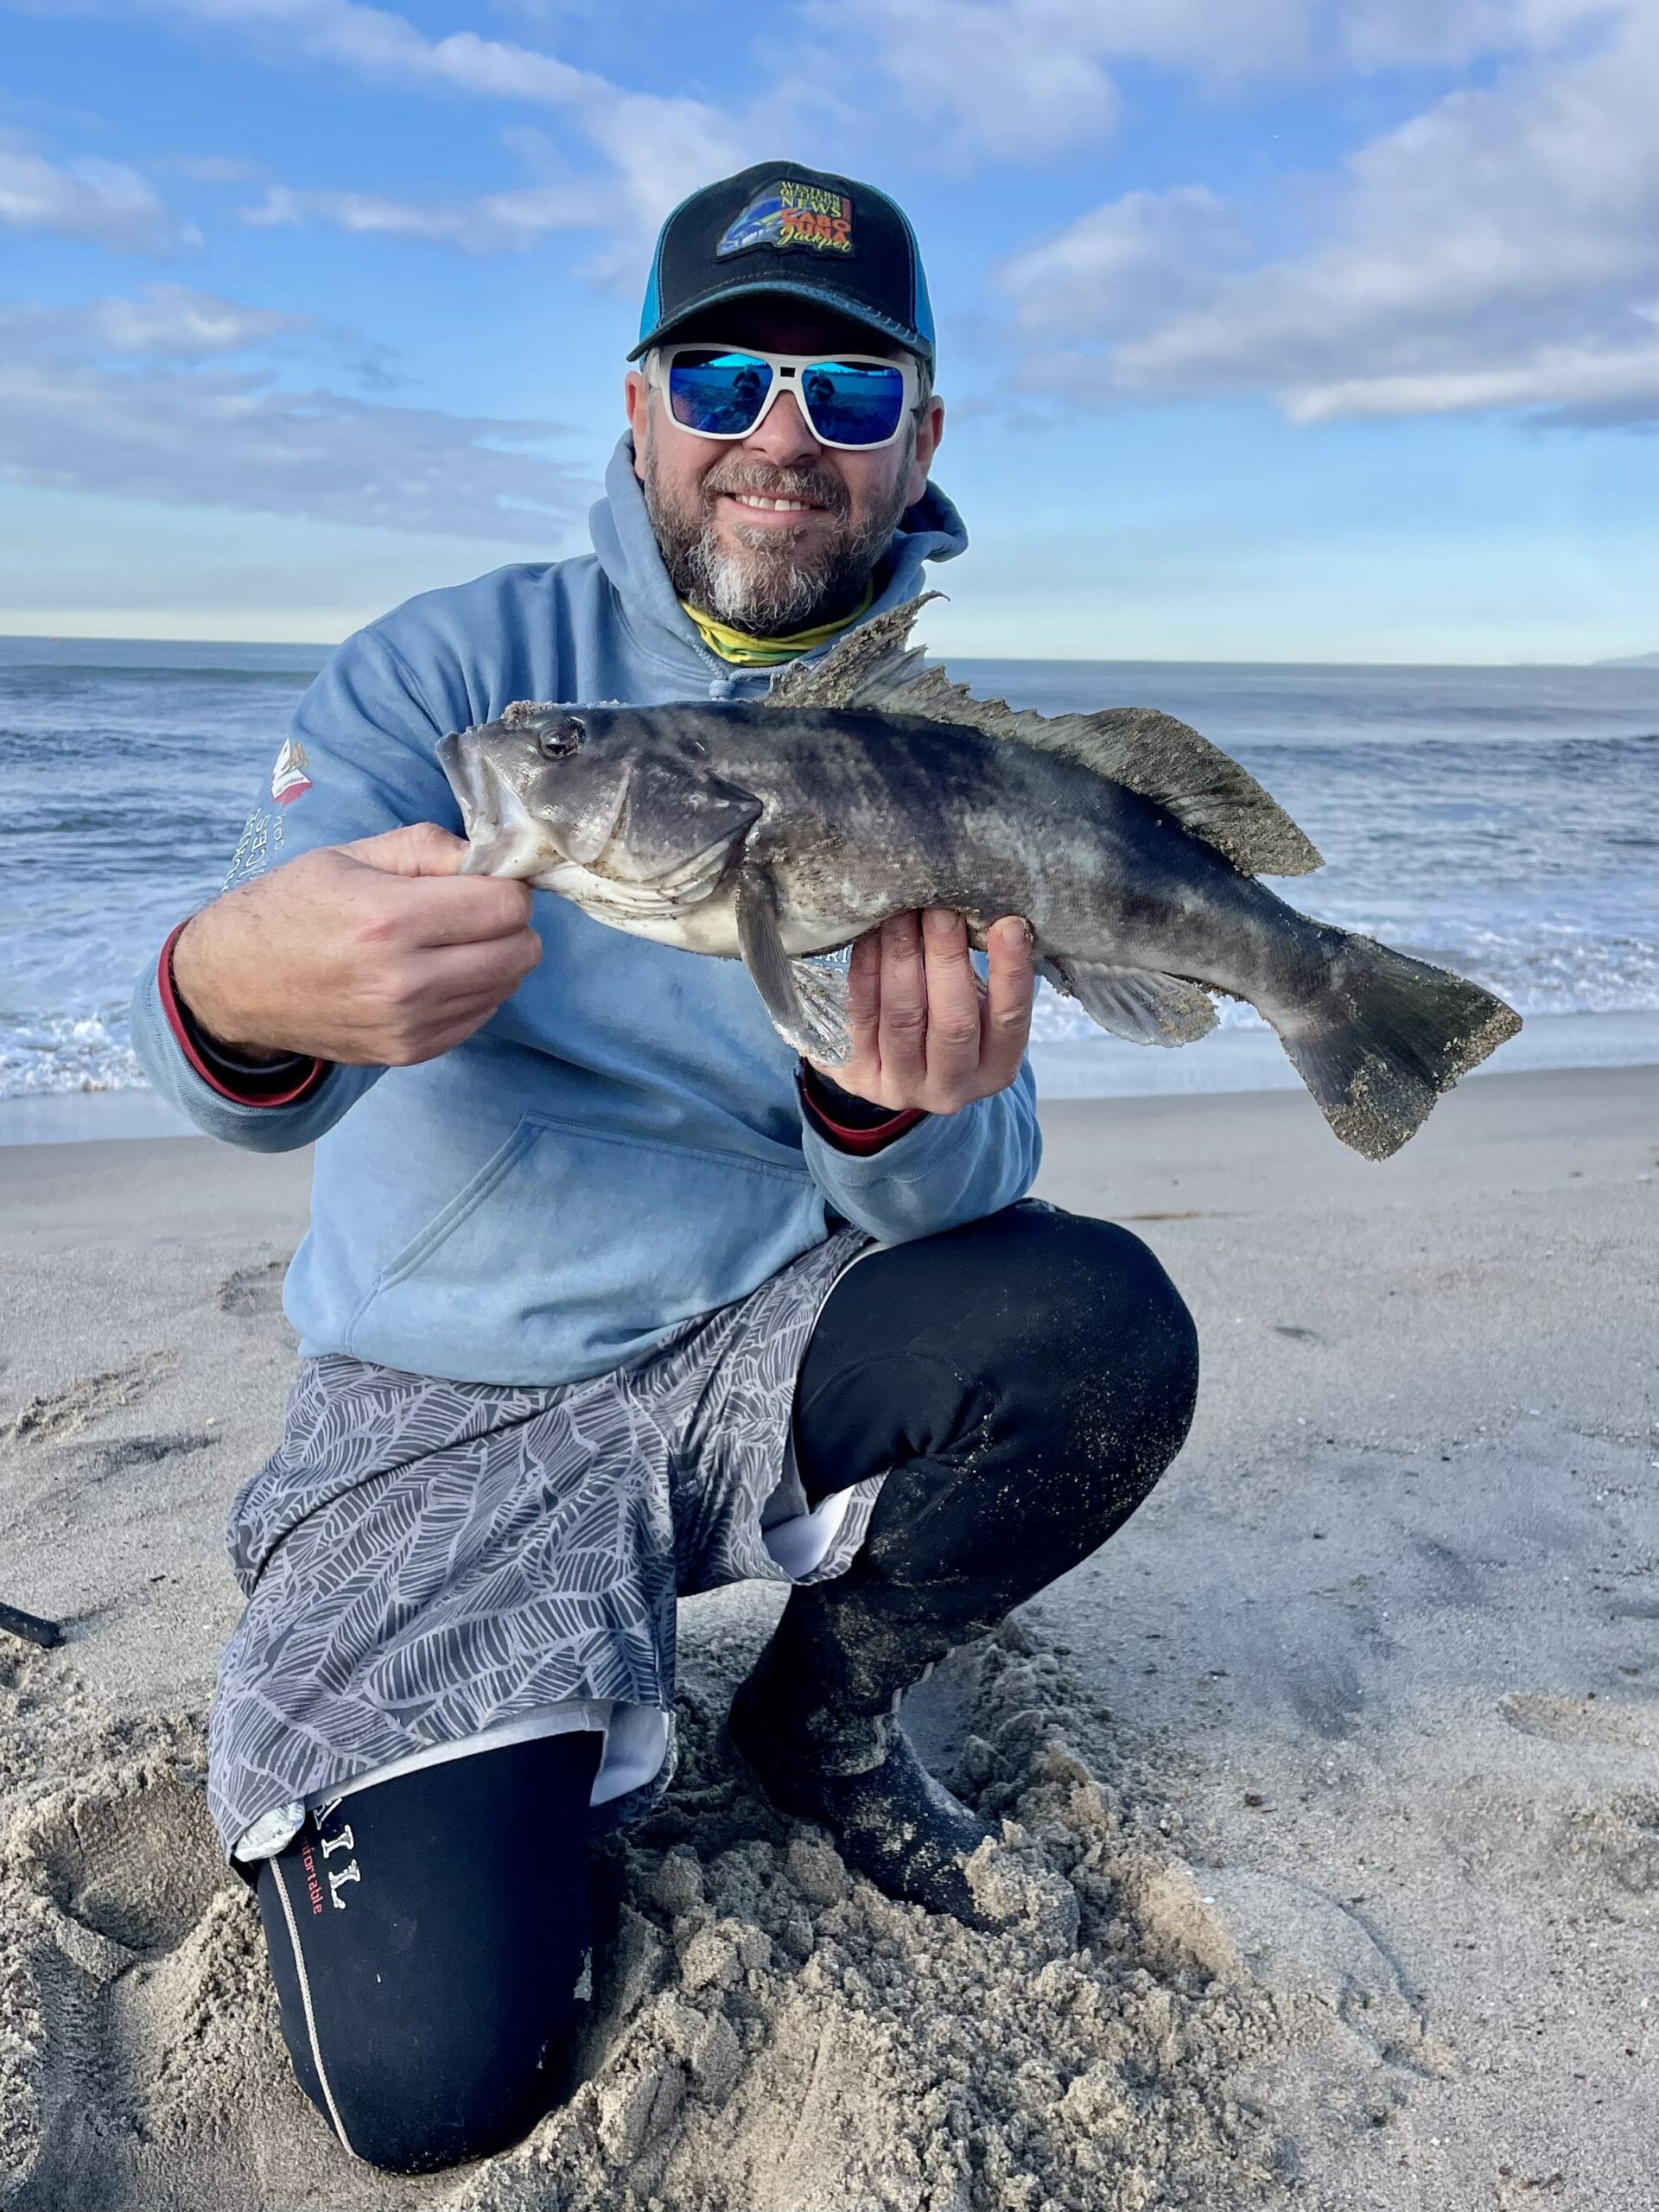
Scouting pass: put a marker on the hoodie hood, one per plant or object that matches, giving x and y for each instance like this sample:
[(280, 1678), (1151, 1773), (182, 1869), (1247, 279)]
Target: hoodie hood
[(627, 550)]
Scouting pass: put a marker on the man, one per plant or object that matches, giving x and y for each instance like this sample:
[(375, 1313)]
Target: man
[(607, 1300)]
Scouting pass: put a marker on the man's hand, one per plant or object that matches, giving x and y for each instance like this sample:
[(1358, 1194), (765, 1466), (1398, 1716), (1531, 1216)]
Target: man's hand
[(375, 954), (924, 1031)]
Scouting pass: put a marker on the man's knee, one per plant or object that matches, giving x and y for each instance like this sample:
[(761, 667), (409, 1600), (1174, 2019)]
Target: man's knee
[(422, 2111), (1092, 1297), (432, 2017), (413, 2088)]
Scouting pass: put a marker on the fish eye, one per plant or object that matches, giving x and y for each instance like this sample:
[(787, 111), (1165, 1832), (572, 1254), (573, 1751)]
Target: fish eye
[(561, 737)]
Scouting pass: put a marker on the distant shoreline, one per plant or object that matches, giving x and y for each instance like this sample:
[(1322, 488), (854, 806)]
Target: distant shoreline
[(95, 652)]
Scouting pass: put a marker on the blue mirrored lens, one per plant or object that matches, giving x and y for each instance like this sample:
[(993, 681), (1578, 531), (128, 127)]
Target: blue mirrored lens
[(846, 402), (721, 393), (852, 402)]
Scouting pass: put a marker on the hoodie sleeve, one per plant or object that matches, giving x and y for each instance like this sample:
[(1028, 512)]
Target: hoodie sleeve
[(948, 1169), (359, 759)]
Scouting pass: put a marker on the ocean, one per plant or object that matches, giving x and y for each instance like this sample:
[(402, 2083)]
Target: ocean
[(1500, 820)]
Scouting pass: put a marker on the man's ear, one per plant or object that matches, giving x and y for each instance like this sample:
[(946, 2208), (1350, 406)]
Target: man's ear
[(929, 431), (636, 398)]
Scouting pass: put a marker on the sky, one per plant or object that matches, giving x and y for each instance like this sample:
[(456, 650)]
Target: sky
[(1314, 330)]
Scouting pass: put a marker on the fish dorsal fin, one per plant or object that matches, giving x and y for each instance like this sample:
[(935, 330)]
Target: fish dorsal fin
[(875, 667)]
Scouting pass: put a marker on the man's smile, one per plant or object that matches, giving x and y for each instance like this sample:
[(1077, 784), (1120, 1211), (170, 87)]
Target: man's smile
[(766, 512)]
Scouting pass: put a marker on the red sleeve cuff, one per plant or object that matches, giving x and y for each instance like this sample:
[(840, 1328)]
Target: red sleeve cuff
[(285, 1085), (860, 1142)]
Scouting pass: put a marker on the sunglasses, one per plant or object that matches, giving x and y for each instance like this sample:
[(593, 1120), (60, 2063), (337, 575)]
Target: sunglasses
[(856, 401)]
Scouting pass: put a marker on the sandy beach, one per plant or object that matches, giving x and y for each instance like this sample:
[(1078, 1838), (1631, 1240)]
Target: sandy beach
[(1334, 1780)]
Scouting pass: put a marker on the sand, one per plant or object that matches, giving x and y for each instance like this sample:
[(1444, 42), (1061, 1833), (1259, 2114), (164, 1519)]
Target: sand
[(1330, 1787)]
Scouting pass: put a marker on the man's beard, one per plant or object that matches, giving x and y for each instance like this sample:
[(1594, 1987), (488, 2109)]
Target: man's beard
[(773, 586)]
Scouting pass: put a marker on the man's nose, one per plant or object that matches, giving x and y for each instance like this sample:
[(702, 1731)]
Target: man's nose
[(783, 437)]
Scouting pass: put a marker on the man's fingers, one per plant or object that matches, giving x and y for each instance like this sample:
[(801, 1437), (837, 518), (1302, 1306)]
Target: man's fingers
[(451, 973), (424, 901), (953, 1024), (902, 1027), (1009, 996), (418, 849), (864, 996), (465, 909)]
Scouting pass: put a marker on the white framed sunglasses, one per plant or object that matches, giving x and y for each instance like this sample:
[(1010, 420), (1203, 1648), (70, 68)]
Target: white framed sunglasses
[(854, 401)]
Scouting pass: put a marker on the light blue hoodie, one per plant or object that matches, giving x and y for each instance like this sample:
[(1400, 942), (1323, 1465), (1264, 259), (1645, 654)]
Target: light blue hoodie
[(621, 1146)]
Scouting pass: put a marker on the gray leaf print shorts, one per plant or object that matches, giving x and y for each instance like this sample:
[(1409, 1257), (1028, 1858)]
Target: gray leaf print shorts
[(424, 1561)]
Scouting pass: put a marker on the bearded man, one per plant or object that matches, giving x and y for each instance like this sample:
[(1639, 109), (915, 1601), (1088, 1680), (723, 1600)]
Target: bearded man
[(606, 1299)]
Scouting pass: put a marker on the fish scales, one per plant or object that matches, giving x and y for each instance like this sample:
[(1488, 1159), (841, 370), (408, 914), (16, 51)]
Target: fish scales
[(868, 785)]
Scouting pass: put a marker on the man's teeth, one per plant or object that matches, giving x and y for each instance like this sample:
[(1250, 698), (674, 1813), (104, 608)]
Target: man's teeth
[(779, 506)]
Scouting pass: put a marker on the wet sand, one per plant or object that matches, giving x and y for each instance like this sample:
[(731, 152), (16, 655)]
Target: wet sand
[(1368, 1885)]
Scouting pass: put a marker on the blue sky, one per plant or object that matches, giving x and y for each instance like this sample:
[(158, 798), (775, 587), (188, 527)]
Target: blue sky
[(1270, 329)]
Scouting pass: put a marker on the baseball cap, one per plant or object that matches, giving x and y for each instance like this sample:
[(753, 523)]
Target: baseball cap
[(779, 227)]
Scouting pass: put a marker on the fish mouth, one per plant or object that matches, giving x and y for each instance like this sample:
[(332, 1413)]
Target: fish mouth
[(503, 836), (478, 794)]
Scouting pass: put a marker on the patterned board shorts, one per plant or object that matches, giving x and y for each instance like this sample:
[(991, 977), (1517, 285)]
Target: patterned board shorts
[(425, 1561)]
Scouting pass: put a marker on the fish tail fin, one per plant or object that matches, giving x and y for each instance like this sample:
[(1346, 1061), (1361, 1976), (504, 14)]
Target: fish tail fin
[(1385, 1036)]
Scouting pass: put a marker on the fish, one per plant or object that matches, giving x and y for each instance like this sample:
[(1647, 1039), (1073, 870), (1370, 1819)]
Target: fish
[(867, 783)]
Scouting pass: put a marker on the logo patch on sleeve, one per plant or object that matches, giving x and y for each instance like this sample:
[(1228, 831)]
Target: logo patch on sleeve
[(288, 780), (789, 214)]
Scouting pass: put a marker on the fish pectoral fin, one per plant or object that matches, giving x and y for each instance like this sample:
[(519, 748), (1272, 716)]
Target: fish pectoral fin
[(1138, 1003), (807, 1002)]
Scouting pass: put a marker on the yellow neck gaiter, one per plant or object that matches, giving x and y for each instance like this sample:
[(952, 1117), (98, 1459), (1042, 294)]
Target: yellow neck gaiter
[(742, 651)]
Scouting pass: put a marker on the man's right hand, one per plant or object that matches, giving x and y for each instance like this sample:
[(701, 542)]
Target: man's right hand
[(375, 954)]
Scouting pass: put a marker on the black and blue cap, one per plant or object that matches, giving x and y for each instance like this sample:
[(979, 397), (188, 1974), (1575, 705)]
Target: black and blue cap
[(778, 227)]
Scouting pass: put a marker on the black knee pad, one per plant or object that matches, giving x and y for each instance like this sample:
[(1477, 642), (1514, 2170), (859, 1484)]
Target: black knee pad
[(427, 1938), (1077, 1296), (454, 2108)]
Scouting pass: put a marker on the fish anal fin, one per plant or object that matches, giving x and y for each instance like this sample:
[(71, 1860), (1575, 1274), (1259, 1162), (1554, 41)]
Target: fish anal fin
[(876, 668), (1138, 1003), (806, 999)]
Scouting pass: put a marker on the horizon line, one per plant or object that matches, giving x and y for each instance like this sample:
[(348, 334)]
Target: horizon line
[(1634, 661)]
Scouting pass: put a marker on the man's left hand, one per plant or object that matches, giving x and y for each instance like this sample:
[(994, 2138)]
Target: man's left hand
[(926, 1033)]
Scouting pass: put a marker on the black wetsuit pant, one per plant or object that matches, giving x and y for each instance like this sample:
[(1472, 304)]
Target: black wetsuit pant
[(1025, 1380)]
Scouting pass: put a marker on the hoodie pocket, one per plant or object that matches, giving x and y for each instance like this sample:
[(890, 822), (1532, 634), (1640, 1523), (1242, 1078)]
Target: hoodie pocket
[(571, 1249)]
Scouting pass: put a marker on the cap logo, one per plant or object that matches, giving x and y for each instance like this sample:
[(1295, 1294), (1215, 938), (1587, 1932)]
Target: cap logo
[(791, 214)]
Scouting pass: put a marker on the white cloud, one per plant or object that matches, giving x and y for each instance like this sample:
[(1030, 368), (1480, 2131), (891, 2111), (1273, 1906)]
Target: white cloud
[(494, 222), (1030, 79), (217, 169), (1567, 384), (658, 148), (1389, 33), (1146, 253), (1496, 251), (93, 398), (174, 322), (103, 202)]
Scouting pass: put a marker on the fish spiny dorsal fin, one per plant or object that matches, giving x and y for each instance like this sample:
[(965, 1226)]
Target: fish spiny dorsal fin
[(867, 666), (876, 668)]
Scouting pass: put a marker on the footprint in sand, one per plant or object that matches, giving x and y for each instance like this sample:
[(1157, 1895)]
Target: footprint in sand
[(139, 1868), (61, 1413), (1561, 1717), (143, 2067), (254, 1291)]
